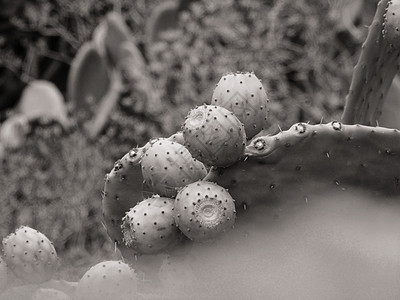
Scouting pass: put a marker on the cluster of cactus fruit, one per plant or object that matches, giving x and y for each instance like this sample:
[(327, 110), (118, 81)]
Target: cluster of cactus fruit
[(177, 203), (188, 188)]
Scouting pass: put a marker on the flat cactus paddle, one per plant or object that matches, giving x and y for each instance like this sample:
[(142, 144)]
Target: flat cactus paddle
[(88, 80), (377, 65), (42, 100), (390, 110), (307, 159)]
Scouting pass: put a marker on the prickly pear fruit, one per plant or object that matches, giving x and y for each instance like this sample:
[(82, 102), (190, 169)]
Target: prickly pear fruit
[(203, 210), (122, 190), (53, 294), (391, 24), (41, 99), (167, 166), (30, 255), (214, 135), (245, 96), (108, 280), (149, 227)]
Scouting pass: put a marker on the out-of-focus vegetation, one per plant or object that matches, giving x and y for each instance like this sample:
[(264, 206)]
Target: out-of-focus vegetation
[(54, 182)]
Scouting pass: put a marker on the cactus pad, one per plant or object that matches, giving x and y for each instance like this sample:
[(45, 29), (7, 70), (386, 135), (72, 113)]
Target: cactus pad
[(308, 158), (122, 190), (88, 80), (377, 65)]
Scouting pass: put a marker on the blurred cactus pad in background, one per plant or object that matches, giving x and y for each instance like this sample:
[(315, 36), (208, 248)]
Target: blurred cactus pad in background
[(114, 74)]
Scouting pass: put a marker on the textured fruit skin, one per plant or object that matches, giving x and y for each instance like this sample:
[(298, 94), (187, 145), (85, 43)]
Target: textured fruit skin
[(245, 96), (108, 280), (203, 210), (53, 294), (167, 166), (377, 65), (122, 190), (214, 135), (149, 227), (305, 159), (391, 25), (30, 255)]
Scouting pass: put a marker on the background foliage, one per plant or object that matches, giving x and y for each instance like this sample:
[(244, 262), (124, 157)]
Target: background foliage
[(53, 183)]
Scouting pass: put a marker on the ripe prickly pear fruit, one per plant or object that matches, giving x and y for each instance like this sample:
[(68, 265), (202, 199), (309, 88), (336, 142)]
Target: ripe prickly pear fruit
[(167, 166), (149, 227), (30, 255), (214, 135), (203, 210), (53, 294), (245, 96), (108, 280), (122, 190), (391, 24)]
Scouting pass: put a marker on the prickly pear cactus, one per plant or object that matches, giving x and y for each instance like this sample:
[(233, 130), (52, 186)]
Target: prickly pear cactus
[(168, 166), (30, 255), (116, 33), (377, 65), (88, 80), (149, 227), (203, 210), (214, 135), (53, 294), (305, 159), (108, 280), (244, 95), (122, 191), (391, 24)]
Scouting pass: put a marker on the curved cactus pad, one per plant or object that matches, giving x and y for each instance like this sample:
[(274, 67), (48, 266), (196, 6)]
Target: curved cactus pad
[(88, 79), (163, 17), (311, 158), (377, 65)]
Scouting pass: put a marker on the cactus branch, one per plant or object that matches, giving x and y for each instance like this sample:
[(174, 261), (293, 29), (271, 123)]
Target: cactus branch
[(373, 74), (308, 158)]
